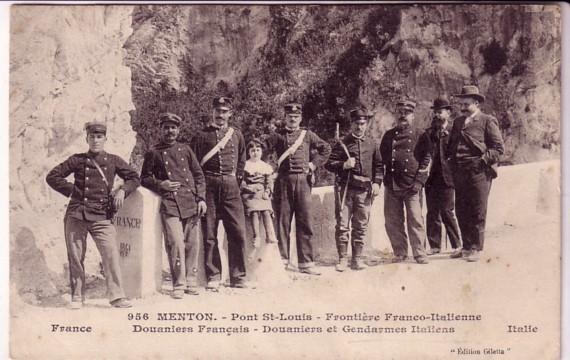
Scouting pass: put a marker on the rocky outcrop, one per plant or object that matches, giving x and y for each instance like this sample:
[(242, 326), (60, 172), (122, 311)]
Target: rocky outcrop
[(66, 68), (334, 57)]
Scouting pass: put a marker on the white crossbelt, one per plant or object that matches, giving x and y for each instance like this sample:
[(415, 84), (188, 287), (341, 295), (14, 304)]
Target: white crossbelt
[(219, 146), (292, 148)]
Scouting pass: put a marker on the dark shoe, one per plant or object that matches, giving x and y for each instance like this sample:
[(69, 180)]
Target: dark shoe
[(191, 290), (473, 256), (459, 253), (242, 285), (399, 258), (310, 271), (421, 260), (178, 294), (358, 264), (121, 303), (75, 305), (342, 265), (433, 251)]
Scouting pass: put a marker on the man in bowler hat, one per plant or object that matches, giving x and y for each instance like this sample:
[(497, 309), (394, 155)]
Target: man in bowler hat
[(440, 192), (88, 211), (172, 170), (220, 149), (474, 148), (406, 164), (356, 161)]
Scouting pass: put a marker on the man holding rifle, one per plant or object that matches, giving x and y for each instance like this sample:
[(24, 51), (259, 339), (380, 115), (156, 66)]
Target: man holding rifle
[(357, 164)]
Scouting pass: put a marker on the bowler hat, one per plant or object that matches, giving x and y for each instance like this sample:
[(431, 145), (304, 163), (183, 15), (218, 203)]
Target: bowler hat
[(96, 127), (168, 117), (407, 104), (470, 91), (293, 108), (442, 102), (360, 112), (222, 102)]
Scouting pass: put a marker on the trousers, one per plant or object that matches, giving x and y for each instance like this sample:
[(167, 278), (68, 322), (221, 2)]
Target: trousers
[(224, 204), (394, 204), (292, 196), (103, 234), (440, 203), (355, 214), (181, 242)]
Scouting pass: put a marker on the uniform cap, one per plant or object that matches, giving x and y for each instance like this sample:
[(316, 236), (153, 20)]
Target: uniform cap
[(168, 117), (360, 112), (222, 103), (293, 108), (96, 127), (407, 104)]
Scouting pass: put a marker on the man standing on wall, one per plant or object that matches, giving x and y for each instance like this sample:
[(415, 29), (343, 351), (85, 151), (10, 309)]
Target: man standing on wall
[(220, 148), (172, 170), (474, 148), (90, 211), (357, 164), (406, 165), (292, 195), (440, 192)]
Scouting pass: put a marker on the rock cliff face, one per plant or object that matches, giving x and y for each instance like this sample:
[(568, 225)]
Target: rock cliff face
[(126, 64), (66, 68), (333, 57)]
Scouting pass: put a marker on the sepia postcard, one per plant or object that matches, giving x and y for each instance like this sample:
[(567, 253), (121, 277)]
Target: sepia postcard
[(92, 83)]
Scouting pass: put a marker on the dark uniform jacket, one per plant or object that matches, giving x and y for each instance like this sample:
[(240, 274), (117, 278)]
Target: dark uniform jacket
[(368, 168), (298, 162), (175, 162), (440, 174), (481, 138), (406, 159), (228, 161), (89, 193)]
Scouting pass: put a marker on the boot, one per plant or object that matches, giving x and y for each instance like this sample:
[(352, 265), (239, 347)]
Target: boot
[(342, 264), (358, 264)]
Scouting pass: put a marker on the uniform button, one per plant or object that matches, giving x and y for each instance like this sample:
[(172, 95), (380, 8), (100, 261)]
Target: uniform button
[(187, 180), (99, 200), (396, 133), (392, 169), (405, 170), (167, 163), (175, 193), (406, 160), (165, 153), (86, 188), (183, 169), (410, 131), (88, 159), (86, 199), (393, 159), (408, 150), (86, 168), (169, 173), (394, 150), (182, 159), (102, 190), (105, 159), (409, 140), (87, 178), (179, 149)]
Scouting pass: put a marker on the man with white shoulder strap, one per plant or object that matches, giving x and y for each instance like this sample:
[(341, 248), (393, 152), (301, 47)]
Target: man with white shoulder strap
[(220, 148), (292, 193)]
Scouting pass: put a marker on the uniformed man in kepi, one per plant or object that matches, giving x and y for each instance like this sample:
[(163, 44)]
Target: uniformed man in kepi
[(172, 170), (220, 148), (89, 211), (406, 165), (296, 165), (356, 161), (440, 192), (474, 148)]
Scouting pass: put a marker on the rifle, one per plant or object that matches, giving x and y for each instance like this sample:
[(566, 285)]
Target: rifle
[(337, 137)]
